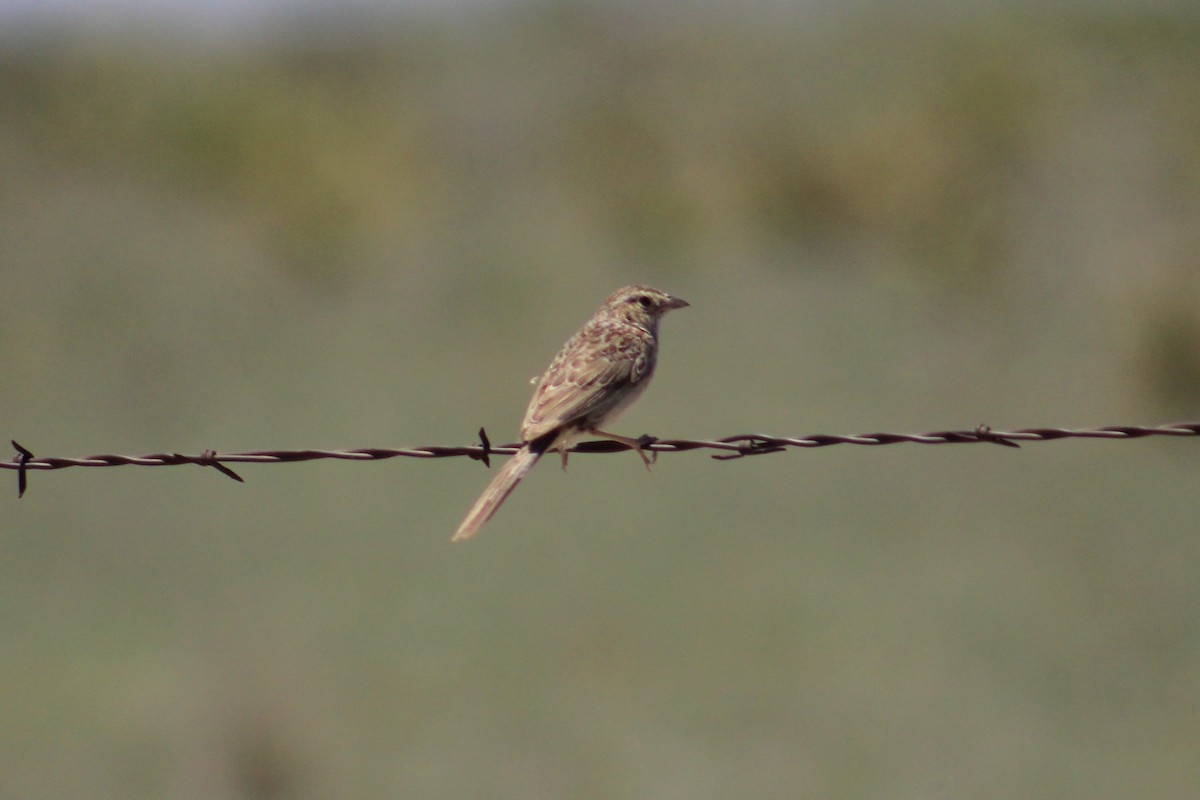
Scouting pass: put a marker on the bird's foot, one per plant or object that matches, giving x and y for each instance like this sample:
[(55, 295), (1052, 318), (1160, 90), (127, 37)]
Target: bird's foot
[(638, 445)]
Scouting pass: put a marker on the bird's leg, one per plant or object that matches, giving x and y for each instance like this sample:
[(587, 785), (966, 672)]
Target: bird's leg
[(562, 451), (638, 445)]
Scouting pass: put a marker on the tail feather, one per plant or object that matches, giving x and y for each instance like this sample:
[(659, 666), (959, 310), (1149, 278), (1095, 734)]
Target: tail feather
[(500, 488)]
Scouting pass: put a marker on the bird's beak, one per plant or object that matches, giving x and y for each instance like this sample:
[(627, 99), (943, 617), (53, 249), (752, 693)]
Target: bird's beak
[(676, 302)]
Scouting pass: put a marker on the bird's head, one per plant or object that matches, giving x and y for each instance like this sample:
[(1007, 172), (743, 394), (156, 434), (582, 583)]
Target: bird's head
[(642, 305)]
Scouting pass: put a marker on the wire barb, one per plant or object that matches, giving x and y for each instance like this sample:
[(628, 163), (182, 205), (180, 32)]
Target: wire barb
[(485, 455), (730, 448), (986, 434), (22, 472), (209, 458)]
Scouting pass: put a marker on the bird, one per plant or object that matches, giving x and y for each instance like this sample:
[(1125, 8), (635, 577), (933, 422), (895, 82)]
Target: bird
[(596, 376)]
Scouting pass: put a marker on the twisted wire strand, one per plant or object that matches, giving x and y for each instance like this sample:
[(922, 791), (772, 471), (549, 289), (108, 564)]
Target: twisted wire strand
[(729, 447)]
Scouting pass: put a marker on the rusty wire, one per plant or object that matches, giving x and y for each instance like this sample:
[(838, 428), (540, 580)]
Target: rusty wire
[(731, 447)]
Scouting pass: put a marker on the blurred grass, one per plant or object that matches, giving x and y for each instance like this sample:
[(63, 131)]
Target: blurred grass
[(374, 235)]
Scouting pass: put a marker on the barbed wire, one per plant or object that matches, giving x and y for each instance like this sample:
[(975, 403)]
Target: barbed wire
[(731, 447)]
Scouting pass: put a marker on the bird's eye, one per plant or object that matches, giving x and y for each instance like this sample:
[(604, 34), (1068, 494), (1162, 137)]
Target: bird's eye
[(644, 301)]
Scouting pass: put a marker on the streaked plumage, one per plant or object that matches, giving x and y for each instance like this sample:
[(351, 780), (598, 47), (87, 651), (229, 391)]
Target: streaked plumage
[(596, 375)]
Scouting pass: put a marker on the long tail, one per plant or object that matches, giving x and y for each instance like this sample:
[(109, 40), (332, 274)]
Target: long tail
[(500, 488)]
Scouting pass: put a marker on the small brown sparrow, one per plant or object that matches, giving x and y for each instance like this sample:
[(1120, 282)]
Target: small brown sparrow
[(598, 373)]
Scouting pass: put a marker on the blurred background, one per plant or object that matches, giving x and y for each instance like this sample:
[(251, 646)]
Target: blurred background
[(279, 226)]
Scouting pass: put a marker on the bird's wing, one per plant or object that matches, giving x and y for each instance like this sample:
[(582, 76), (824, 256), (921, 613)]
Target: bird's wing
[(587, 379)]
